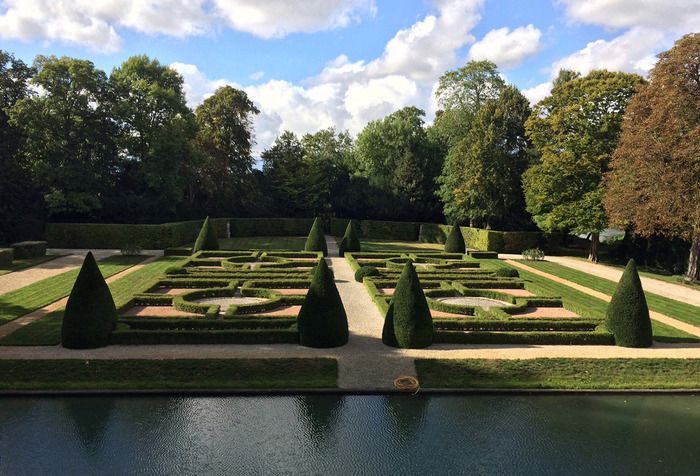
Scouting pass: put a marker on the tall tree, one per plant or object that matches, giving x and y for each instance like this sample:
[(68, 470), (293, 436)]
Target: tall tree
[(481, 178), (68, 135), (575, 132), (654, 184)]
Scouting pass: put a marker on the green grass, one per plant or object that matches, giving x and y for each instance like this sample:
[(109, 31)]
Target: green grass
[(47, 330), (559, 373), (586, 305), (655, 273), (20, 264), (78, 374), (37, 295), (294, 243), (389, 245), (670, 307)]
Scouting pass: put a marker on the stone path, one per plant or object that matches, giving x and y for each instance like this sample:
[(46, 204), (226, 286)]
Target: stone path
[(657, 316), (12, 326), (656, 286)]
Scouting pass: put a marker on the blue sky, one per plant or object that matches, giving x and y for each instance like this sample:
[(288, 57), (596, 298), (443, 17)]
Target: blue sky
[(311, 64)]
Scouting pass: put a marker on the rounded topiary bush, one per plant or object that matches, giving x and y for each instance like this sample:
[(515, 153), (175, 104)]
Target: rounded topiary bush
[(455, 240), (322, 320), (507, 273), (408, 323), (90, 315), (206, 240), (365, 271), (316, 241), (627, 317)]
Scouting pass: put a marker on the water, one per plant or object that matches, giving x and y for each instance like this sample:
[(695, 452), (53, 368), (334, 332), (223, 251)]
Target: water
[(351, 435)]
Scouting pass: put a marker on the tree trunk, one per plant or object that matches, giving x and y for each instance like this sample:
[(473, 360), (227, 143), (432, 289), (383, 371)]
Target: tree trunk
[(693, 273), (593, 253)]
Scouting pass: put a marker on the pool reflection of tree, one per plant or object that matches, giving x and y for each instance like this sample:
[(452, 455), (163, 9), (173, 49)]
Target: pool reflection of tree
[(406, 415), (90, 418), (319, 415)]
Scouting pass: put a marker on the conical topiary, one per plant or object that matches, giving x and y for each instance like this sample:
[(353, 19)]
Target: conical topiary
[(408, 322), (455, 241), (316, 241), (90, 315), (351, 238), (322, 320), (628, 314), (207, 238)]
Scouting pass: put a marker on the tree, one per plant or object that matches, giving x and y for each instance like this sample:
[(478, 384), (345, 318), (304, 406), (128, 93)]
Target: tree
[(627, 317), (206, 240), (68, 135), (408, 323), (455, 240), (322, 320), (225, 138), (575, 132), (90, 315), (316, 241), (654, 183), (482, 174)]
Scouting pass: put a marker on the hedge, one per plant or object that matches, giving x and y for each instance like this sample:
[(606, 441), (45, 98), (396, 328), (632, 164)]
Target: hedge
[(383, 230), (488, 240), (29, 249), (237, 336), (529, 338), (270, 226), (6, 256)]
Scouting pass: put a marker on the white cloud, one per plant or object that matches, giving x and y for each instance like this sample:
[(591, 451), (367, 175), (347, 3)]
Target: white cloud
[(197, 86), (537, 93), (507, 48), (674, 15)]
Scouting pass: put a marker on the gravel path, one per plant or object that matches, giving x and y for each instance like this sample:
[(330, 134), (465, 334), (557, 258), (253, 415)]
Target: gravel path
[(656, 286)]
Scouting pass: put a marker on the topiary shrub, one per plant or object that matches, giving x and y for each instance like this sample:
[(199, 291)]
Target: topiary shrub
[(342, 246), (322, 320), (628, 314), (351, 238), (316, 241), (455, 241), (533, 254), (207, 238), (507, 273), (364, 271), (408, 323), (90, 315)]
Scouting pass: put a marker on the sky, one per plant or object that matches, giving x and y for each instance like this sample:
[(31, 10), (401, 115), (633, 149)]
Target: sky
[(312, 64)]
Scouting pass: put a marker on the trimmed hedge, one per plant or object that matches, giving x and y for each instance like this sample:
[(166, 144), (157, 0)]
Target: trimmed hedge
[(316, 241), (6, 256), (365, 271), (237, 336), (455, 241), (531, 338), (487, 240), (383, 230), (29, 249), (270, 226), (408, 323), (628, 314), (351, 240), (206, 240), (507, 273)]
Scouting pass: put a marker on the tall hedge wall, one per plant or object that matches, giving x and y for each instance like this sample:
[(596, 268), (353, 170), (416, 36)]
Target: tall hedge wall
[(383, 230), (484, 240), (270, 226)]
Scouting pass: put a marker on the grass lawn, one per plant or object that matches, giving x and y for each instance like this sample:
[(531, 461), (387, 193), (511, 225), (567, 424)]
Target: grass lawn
[(559, 373), (670, 307), (20, 264), (29, 298), (654, 273), (294, 243), (389, 245), (47, 330), (586, 305), (73, 374)]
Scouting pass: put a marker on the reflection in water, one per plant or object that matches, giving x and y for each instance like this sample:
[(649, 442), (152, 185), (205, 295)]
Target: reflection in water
[(318, 415), (90, 418), (405, 414)]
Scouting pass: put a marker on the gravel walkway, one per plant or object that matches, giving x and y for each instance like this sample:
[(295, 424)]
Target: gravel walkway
[(656, 286)]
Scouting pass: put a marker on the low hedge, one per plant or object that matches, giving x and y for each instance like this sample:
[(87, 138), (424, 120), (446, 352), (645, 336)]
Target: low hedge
[(512, 325), (270, 226), (237, 336), (29, 249), (206, 324), (487, 240), (527, 338), (6, 256), (383, 230)]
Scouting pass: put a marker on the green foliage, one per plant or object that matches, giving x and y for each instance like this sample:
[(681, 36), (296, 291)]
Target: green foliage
[(206, 240), (386, 230), (6, 256), (316, 241), (270, 226), (507, 273), (352, 238), (408, 323), (322, 319), (533, 254), (90, 314), (365, 271), (455, 240), (29, 249), (628, 314)]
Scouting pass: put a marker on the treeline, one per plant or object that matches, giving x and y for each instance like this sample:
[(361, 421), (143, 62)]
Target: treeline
[(605, 149)]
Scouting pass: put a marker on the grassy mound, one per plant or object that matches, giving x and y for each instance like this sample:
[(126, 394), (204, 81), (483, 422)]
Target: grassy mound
[(628, 314), (207, 238), (408, 322), (322, 319), (90, 315), (455, 241), (316, 241)]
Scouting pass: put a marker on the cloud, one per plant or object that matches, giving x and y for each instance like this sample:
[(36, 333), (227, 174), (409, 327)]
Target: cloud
[(95, 24), (537, 93), (507, 48), (673, 15), (257, 76)]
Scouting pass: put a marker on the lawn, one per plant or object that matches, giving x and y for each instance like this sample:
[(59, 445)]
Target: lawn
[(47, 330), (660, 274), (294, 243), (37, 295), (389, 245), (586, 305), (20, 264), (74, 374), (559, 373), (670, 307)]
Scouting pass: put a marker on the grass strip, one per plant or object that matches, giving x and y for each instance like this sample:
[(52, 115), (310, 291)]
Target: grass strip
[(24, 263), (37, 295), (399, 246), (80, 374), (560, 373), (263, 243), (47, 330), (670, 307)]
